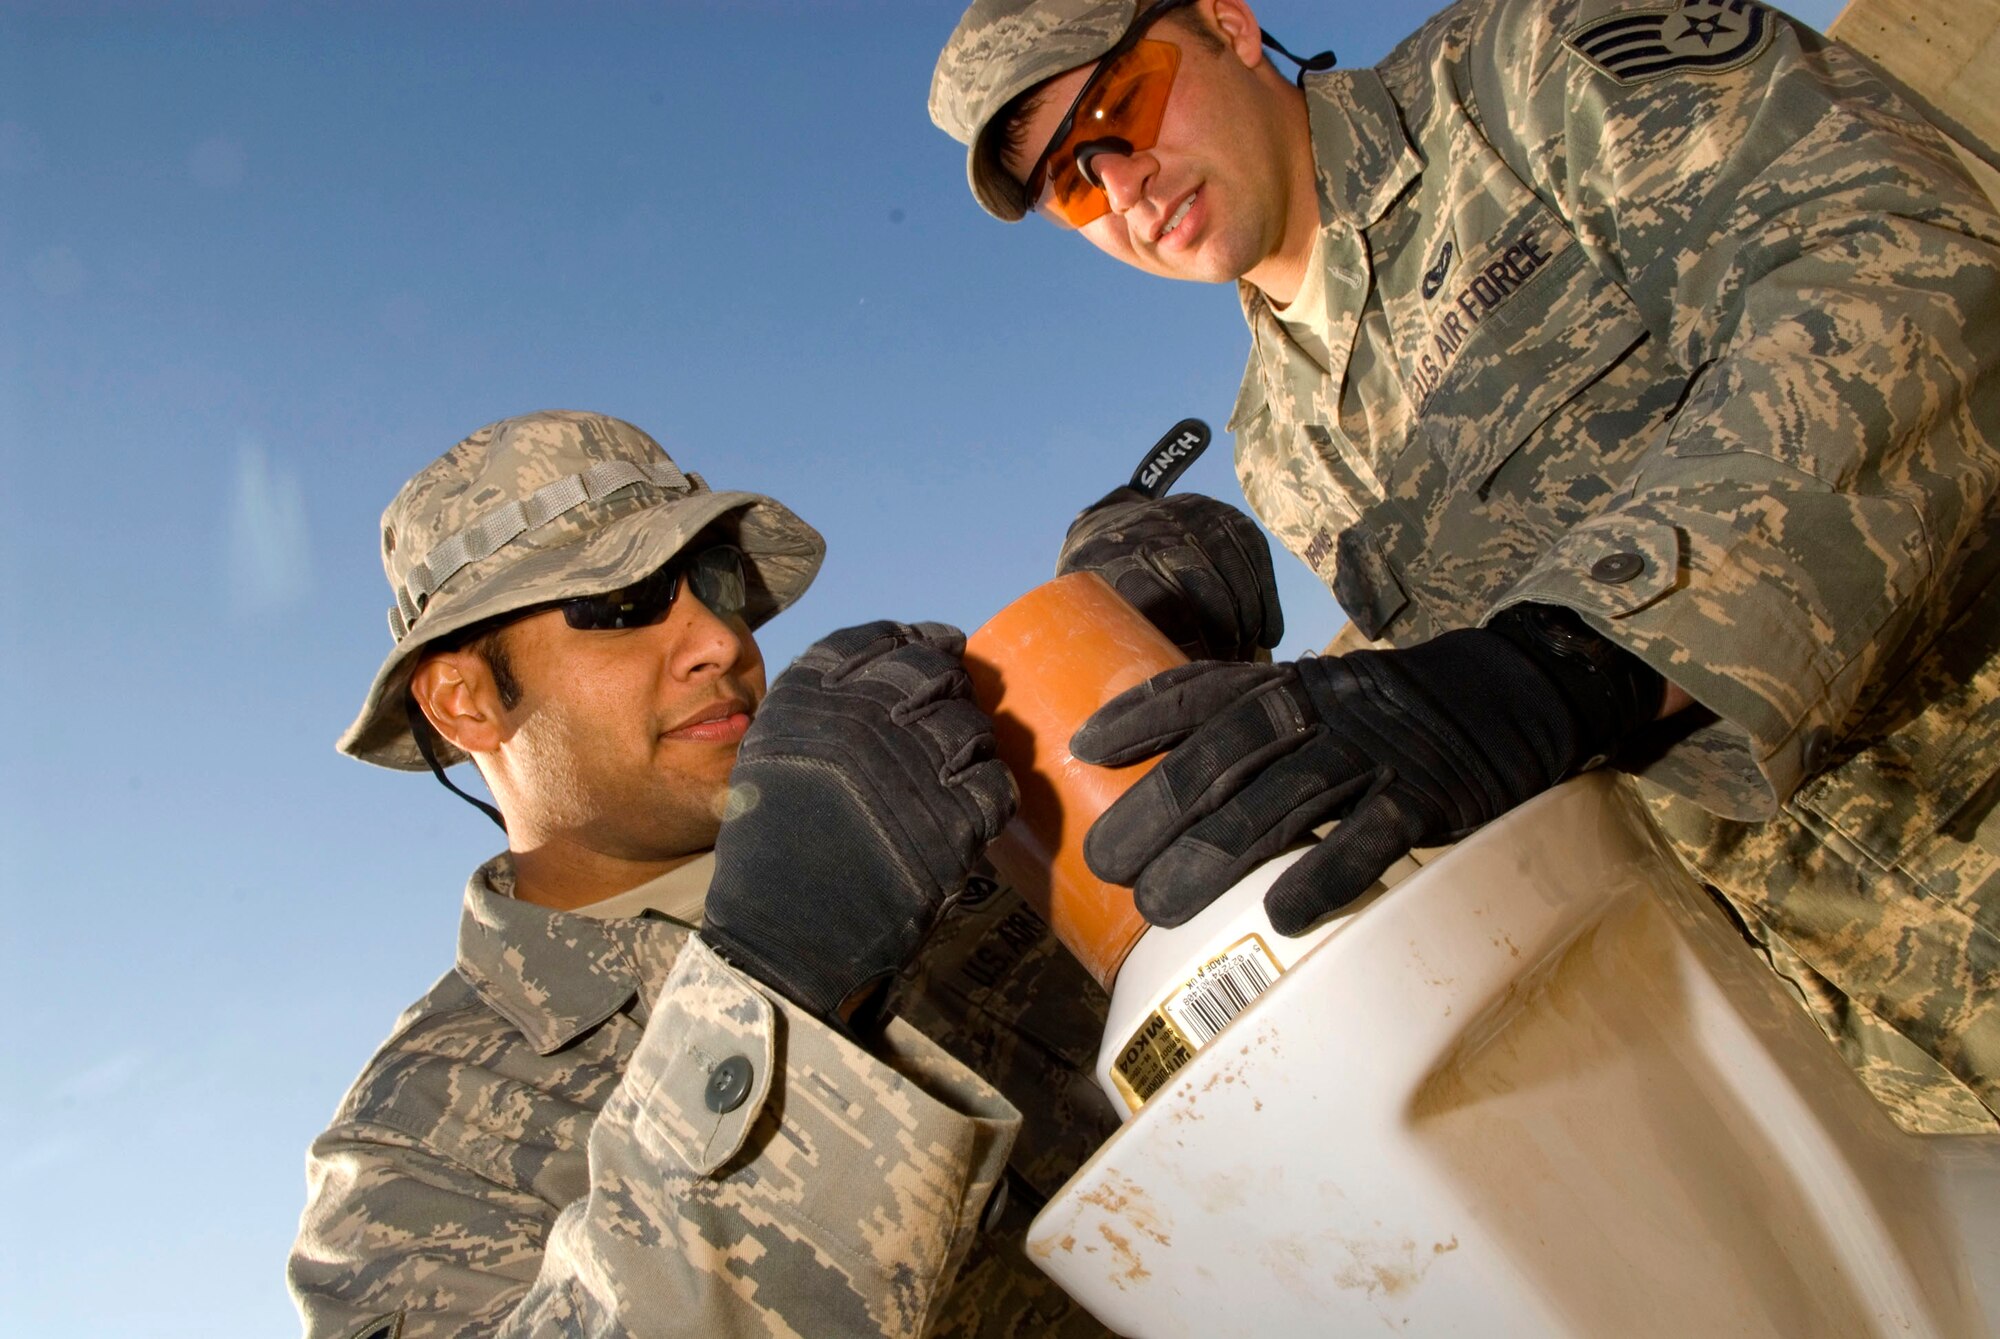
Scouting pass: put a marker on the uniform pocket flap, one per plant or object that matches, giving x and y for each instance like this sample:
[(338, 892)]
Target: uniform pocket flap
[(1365, 583)]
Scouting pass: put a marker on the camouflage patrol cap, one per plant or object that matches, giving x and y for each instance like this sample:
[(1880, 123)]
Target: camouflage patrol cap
[(546, 507), (1000, 50)]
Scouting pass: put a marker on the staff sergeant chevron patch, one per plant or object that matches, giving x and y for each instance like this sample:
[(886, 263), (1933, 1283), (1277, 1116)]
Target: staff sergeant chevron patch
[(1705, 37)]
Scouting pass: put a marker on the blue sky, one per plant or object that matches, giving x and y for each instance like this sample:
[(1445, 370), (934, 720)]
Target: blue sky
[(259, 263)]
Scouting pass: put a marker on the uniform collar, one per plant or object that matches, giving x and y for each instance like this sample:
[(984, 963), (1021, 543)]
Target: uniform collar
[(552, 974), (679, 894), (1363, 161), (1363, 156)]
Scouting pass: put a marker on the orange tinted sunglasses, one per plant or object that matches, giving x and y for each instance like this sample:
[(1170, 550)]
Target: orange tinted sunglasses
[(1118, 110)]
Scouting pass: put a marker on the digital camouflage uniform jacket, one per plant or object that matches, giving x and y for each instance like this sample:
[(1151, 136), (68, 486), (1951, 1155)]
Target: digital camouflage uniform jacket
[(1680, 318), (533, 1151)]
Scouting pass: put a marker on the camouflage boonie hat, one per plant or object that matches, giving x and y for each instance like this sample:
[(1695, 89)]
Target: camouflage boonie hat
[(1000, 50), (545, 507)]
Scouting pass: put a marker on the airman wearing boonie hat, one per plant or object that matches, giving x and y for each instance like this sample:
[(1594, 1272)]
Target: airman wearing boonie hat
[(1588, 345), (534, 510), (606, 1119)]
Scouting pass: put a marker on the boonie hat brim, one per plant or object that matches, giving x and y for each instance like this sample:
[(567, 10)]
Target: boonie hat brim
[(782, 554)]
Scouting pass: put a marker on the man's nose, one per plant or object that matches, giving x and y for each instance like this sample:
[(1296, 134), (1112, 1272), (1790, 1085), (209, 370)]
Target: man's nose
[(701, 640), (1125, 177)]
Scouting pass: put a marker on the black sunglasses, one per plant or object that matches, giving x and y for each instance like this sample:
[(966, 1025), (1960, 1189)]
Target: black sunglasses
[(714, 574)]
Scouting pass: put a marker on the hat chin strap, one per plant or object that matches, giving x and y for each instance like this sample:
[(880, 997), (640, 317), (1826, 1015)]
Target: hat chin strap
[(1325, 60), (420, 730)]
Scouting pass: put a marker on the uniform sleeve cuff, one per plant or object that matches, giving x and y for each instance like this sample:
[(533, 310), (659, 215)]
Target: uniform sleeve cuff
[(1759, 671)]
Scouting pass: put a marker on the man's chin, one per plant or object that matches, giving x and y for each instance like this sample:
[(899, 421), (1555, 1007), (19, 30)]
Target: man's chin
[(697, 763), (690, 827)]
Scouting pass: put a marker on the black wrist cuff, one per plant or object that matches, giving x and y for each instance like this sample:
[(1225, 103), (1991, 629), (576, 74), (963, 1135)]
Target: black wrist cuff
[(1612, 692), (867, 1009)]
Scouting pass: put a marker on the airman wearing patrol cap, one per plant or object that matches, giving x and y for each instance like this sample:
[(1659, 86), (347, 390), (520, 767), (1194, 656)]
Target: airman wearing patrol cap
[(660, 1092), (1628, 373), (1001, 50)]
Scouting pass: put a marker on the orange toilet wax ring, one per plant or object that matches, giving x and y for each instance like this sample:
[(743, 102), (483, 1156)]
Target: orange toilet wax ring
[(1040, 667)]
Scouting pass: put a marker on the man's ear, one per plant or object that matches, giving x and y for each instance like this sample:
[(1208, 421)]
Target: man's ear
[(1238, 27), (456, 693)]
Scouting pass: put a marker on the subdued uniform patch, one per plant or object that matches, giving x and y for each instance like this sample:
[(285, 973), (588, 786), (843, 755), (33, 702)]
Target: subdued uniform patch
[(1434, 277), (1711, 360), (1699, 38)]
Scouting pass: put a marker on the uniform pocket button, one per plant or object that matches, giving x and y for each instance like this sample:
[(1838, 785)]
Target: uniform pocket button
[(728, 1085), (1615, 569), (1813, 749), (996, 1206)]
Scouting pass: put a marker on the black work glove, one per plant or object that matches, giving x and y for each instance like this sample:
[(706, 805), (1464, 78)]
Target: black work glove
[(1407, 748), (1198, 569), (865, 789)]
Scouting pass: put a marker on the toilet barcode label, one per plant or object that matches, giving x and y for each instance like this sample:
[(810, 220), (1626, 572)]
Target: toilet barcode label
[(1190, 1017), (1221, 990)]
